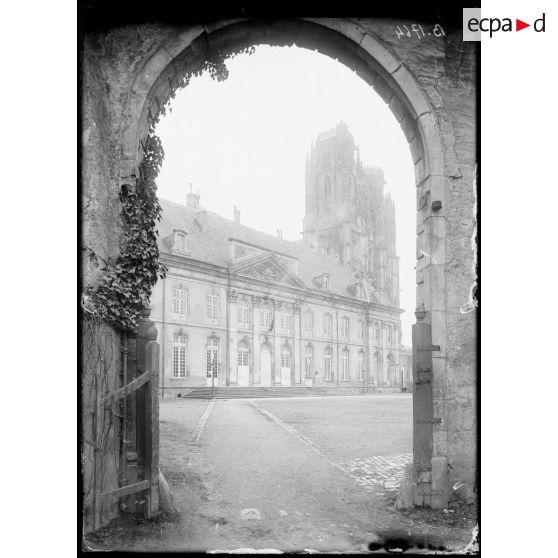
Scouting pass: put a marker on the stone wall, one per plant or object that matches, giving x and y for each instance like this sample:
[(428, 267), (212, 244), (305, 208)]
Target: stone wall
[(429, 85)]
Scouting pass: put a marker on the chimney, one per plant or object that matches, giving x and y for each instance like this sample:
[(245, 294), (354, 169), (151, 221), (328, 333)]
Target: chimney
[(192, 200), (280, 234), (236, 215)]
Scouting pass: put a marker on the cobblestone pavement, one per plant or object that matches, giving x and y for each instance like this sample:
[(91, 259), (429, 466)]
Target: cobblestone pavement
[(379, 472)]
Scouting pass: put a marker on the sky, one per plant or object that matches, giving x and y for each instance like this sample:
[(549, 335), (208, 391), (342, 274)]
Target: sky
[(244, 142)]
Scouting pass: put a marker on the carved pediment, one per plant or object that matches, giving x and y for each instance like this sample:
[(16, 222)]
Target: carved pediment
[(267, 269)]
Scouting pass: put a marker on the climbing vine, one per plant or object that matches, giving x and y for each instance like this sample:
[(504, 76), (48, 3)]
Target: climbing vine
[(125, 288)]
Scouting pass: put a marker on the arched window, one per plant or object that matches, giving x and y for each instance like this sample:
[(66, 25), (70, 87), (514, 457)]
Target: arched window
[(308, 362), (309, 323), (179, 355), (286, 359), (327, 326), (243, 313), (242, 354), (345, 328), (345, 364), (392, 370), (327, 194), (180, 301), (327, 364), (212, 356), (361, 365), (378, 367)]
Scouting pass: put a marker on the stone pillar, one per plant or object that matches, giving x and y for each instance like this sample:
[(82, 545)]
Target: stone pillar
[(233, 362), (256, 301), (277, 342), (296, 346)]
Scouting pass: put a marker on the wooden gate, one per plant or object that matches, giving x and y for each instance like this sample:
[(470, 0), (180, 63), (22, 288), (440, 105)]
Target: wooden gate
[(423, 411), (137, 404)]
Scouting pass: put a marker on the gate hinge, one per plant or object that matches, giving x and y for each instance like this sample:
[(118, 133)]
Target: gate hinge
[(434, 420)]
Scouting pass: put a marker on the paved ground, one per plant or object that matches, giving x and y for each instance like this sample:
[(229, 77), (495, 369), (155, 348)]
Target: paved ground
[(288, 474)]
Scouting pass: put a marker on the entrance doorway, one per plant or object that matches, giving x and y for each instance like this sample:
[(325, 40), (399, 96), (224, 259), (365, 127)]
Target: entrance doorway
[(265, 365), (243, 366), (286, 366), (212, 359)]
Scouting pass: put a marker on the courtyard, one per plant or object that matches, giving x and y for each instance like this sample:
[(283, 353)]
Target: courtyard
[(287, 474)]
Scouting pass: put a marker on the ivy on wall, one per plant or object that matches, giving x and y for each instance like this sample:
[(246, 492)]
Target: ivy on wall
[(125, 288)]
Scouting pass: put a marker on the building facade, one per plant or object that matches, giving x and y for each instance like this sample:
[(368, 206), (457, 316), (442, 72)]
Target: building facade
[(239, 307)]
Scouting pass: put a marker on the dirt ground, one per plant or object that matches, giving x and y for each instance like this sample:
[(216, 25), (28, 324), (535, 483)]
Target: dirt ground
[(286, 475)]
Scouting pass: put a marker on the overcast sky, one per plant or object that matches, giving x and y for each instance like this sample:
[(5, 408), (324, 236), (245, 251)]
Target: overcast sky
[(244, 142)]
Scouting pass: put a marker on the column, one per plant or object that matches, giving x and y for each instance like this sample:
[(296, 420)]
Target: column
[(233, 362), (276, 356), (255, 371), (296, 346)]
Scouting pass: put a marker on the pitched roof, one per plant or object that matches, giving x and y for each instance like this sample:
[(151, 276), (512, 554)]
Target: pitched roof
[(208, 241)]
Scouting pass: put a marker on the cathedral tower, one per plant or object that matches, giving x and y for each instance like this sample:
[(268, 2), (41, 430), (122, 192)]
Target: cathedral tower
[(348, 216)]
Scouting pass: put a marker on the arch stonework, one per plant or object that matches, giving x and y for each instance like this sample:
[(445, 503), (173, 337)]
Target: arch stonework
[(128, 72)]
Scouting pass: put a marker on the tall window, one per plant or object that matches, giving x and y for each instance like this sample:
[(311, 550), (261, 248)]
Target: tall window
[(326, 282), (376, 332), (212, 353), (287, 319), (390, 335), (345, 364), (243, 313), (361, 365), (212, 306), (308, 365), (180, 242), (378, 367), (327, 326), (180, 300), (266, 314), (309, 323), (327, 364), (179, 356), (286, 357), (361, 329), (242, 355), (345, 328)]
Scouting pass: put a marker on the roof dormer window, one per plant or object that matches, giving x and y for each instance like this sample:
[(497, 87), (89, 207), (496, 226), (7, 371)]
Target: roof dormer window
[(326, 282), (179, 241)]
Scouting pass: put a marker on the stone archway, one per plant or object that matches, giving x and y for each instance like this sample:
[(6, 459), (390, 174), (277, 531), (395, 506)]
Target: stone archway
[(435, 117)]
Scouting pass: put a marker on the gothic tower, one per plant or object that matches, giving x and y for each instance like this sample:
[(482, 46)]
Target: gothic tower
[(348, 216)]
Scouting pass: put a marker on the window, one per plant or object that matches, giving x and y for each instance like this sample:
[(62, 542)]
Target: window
[(376, 332), (378, 367), (287, 319), (212, 355), (243, 313), (345, 328), (308, 362), (242, 355), (389, 334), (285, 357), (326, 281), (179, 356), (309, 323), (361, 365), (327, 326), (361, 329), (212, 306), (180, 242), (327, 364), (345, 364), (180, 301), (266, 314)]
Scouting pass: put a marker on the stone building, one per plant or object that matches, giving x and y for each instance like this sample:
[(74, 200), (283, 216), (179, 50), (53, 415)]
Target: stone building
[(243, 308), (347, 213)]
